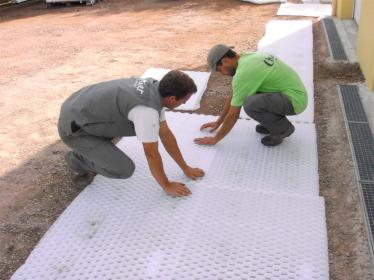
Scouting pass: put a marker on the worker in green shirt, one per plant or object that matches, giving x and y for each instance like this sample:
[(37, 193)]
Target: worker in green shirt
[(267, 88)]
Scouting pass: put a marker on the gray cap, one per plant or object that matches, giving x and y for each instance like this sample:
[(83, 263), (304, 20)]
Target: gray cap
[(215, 54)]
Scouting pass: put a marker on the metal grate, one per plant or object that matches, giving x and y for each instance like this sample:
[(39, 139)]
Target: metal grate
[(360, 133), (352, 104), (368, 194), (335, 44), (363, 145)]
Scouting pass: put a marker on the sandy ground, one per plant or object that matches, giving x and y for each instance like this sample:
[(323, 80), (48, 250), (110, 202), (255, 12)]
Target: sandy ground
[(46, 54)]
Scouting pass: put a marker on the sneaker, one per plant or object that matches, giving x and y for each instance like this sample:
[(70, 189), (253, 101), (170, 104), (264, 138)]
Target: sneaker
[(79, 178), (261, 129), (275, 140), (83, 180), (289, 131)]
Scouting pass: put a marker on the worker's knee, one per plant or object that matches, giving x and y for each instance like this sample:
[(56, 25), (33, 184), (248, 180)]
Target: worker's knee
[(127, 170), (123, 171)]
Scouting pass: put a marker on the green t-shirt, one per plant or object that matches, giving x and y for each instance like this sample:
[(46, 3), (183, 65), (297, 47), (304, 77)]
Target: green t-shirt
[(262, 72)]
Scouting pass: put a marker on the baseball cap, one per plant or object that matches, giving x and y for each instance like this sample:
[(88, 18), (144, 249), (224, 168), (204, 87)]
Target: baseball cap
[(215, 54)]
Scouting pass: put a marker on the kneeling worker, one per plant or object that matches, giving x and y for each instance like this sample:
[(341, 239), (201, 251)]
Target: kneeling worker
[(93, 116), (267, 88)]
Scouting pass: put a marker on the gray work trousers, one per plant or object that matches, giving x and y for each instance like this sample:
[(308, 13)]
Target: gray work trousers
[(270, 110), (96, 154)]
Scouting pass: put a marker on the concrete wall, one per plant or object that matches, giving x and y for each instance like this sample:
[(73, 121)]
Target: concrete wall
[(365, 42)]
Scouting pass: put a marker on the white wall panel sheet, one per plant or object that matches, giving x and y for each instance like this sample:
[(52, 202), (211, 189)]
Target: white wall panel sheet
[(200, 78)]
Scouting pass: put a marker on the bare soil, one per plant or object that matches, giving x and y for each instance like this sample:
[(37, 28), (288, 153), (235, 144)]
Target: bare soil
[(48, 53)]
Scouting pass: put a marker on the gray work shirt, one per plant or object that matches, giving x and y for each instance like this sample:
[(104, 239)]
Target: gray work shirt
[(102, 109)]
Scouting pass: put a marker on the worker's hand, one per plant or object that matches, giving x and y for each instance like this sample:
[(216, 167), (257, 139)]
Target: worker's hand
[(193, 173), (176, 189), (212, 125), (206, 141)]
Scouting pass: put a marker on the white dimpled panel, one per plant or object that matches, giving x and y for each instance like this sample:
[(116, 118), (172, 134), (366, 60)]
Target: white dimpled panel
[(241, 161), (120, 229), (257, 236), (130, 229)]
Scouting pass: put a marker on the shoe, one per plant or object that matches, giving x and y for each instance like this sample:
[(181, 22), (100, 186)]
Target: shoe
[(79, 178), (83, 180), (275, 140), (261, 129)]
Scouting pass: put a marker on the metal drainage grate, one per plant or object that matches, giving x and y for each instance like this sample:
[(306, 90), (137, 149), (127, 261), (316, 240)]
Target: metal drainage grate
[(368, 194), (335, 44), (352, 104), (359, 130), (362, 144)]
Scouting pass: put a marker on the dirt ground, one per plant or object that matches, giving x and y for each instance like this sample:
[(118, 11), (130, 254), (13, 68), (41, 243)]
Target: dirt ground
[(46, 54)]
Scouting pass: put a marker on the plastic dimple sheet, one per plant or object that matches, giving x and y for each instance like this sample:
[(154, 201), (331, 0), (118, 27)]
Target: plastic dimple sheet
[(130, 229), (292, 42), (242, 160), (200, 78), (120, 229)]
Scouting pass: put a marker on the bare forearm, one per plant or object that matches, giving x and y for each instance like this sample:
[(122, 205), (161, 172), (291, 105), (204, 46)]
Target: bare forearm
[(226, 109), (156, 166), (228, 124), (171, 146)]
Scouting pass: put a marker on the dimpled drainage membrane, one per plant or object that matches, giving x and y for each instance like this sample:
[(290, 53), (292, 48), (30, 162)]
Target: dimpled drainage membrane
[(229, 228)]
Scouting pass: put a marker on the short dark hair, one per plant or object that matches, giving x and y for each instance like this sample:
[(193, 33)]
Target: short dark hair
[(176, 83), (230, 54)]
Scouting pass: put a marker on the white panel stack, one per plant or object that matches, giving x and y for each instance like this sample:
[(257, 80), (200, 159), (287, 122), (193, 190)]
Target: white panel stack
[(231, 227), (200, 78), (292, 42), (307, 9)]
